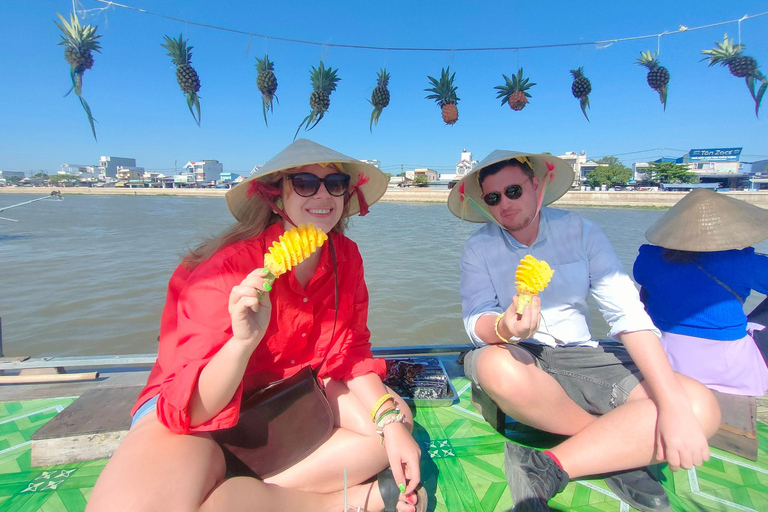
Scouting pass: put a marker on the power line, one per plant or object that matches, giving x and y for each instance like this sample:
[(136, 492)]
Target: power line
[(603, 44)]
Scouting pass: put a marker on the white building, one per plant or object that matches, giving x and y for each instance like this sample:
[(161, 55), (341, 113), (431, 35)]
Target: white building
[(205, 172), (374, 163), (463, 167), (576, 161), (109, 164), (429, 173)]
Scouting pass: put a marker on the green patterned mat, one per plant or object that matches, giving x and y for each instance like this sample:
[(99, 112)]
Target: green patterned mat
[(462, 468)]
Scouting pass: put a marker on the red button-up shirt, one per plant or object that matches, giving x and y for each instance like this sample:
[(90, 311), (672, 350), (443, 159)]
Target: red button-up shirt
[(196, 324)]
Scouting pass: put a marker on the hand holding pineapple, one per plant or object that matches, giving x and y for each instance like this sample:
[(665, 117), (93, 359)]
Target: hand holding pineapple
[(531, 277)]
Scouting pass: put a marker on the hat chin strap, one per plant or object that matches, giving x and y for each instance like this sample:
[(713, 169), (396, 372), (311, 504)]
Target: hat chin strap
[(549, 176), (266, 193)]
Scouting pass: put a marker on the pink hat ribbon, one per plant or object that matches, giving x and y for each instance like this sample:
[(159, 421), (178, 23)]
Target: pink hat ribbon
[(266, 192), (362, 179)]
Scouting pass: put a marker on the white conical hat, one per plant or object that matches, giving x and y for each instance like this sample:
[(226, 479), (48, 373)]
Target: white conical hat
[(469, 185), (707, 221), (305, 152)]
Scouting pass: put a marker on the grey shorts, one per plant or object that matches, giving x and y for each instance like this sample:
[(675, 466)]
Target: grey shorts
[(598, 379)]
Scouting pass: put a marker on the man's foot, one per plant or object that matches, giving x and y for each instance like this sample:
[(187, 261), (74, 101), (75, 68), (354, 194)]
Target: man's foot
[(533, 478), (639, 489)]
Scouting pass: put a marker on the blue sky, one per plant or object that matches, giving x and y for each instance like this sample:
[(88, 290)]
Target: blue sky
[(133, 92)]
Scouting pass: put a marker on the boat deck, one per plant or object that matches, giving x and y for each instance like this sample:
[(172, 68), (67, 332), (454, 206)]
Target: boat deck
[(462, 465)]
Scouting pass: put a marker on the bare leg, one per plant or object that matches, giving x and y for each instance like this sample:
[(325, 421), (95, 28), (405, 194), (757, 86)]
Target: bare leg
[(510, 377), (355, 445), (624, 438)]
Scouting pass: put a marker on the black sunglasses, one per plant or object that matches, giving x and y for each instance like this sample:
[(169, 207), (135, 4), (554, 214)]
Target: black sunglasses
[(512, 192), (307, 184)]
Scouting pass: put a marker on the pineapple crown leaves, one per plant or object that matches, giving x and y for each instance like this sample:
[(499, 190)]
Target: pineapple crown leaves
[(76, 36), (443, 91), (178, 50), (516, 84), (382, 80), (583, 100), (323, 80), (723, 52), (648, 60), (263, 67)]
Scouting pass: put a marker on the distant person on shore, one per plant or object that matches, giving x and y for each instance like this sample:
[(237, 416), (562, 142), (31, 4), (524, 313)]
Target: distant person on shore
[(695, 279), (229, 328), (622, 406)]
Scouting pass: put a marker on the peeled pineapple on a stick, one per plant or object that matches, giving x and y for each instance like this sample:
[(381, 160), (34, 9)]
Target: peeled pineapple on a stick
[(293, 247), (531, 277)]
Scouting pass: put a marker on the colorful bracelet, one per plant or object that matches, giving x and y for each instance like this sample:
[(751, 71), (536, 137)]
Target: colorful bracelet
[(378, 405), (393, 410), (400, 418), (512, 340)]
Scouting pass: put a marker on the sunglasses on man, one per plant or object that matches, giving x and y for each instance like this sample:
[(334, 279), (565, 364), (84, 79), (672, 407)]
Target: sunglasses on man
[(512, 192), (307, 184)]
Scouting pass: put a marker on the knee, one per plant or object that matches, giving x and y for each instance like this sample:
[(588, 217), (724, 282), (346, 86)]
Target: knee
[(503, 377), (705, 407)]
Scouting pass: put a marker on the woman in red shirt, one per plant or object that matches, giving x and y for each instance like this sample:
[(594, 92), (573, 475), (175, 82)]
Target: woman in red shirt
[(229, 328)]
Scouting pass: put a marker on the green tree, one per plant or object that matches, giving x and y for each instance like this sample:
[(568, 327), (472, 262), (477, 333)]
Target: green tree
[(670, 172), (13, 180), (63, 179), (612, 172), (41, 175), (610, 160), (388, 175), (421, 180)]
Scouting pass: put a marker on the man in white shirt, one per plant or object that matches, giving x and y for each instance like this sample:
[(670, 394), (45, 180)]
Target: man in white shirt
[(622, 406)]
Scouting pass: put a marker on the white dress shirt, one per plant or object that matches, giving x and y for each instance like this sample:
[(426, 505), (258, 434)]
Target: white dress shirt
[(583, 260)]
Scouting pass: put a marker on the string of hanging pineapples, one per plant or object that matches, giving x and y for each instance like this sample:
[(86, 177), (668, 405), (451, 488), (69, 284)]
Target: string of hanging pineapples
[(189, 81), (266, 81), (324, 82), (741, 66), (444, 93), (80, 42)]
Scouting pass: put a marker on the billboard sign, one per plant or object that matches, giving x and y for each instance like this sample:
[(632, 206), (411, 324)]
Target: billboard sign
[(714, 155)]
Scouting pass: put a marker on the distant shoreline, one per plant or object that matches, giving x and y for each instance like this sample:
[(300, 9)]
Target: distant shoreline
[(622, 199)]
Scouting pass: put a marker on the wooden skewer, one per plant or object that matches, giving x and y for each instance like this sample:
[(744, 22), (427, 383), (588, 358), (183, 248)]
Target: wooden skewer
[(47, 378)]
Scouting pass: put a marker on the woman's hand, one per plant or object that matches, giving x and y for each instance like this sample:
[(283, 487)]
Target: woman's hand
[(521, 326), (251, 308), (403, 454)]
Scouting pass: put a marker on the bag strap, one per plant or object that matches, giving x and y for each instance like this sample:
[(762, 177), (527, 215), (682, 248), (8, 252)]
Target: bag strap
[(709, 275), (335, 298)]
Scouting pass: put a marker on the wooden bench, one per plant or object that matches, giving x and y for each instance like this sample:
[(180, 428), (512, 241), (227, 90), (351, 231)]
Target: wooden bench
[(90, 428), (737, 433)]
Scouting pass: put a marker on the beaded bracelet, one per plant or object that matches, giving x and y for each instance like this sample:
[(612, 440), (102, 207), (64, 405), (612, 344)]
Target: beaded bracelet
[(512, 340), (393, 410), (378, 405), (400, 418)]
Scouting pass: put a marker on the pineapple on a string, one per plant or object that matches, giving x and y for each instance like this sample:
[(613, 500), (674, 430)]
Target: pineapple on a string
[(185, 73), (324, 82), (379, 97), (444, 93), (581, 87), (514, 91), (80, 41), (658, 75), (266, 81), (740, 66)]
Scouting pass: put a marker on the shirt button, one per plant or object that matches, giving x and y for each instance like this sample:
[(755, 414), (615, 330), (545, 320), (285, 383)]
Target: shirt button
[(305, 299), (303, 335), (293, 362)]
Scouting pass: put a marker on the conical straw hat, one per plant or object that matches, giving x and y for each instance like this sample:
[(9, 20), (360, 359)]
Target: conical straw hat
[(707, 221), (305, 152), (470, 185)]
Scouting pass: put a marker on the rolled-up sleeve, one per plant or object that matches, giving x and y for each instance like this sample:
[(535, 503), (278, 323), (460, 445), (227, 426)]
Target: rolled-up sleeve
[(477, 291), (615, 293), (203, 327)]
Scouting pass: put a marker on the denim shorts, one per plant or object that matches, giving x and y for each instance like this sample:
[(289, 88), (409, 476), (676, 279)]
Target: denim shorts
[(150, 406), (598, 379)]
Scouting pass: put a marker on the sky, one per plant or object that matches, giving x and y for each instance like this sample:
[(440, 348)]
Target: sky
[(142, 113)]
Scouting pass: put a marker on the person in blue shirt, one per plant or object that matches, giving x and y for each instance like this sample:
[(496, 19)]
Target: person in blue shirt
[(622, 406), (695, 279)]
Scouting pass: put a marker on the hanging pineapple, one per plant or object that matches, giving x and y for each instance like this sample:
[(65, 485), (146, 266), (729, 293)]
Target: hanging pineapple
[(740, 66), (379, 97), (324, 82), (185, 73), (266, 81), (80, 41), (581, 87), (658, 75), (444, 94), (515, 91)]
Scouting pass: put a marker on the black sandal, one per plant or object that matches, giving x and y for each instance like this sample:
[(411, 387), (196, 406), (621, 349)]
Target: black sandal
[(390, 493)]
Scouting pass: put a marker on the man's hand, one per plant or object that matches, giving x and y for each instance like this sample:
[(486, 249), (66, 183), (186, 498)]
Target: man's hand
[(521, 326)]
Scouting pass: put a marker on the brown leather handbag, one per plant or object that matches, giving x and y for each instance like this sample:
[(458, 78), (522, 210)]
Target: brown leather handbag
[(282, 423), (278, 426)]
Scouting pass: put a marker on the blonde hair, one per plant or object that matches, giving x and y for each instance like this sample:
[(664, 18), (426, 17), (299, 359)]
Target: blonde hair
[(256, 219)]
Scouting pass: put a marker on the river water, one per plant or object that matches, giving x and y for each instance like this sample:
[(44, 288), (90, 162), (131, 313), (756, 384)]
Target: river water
[(87, 275)]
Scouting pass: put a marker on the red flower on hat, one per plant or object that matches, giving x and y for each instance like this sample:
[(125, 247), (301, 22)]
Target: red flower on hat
[(461, 191), (550, 166)]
